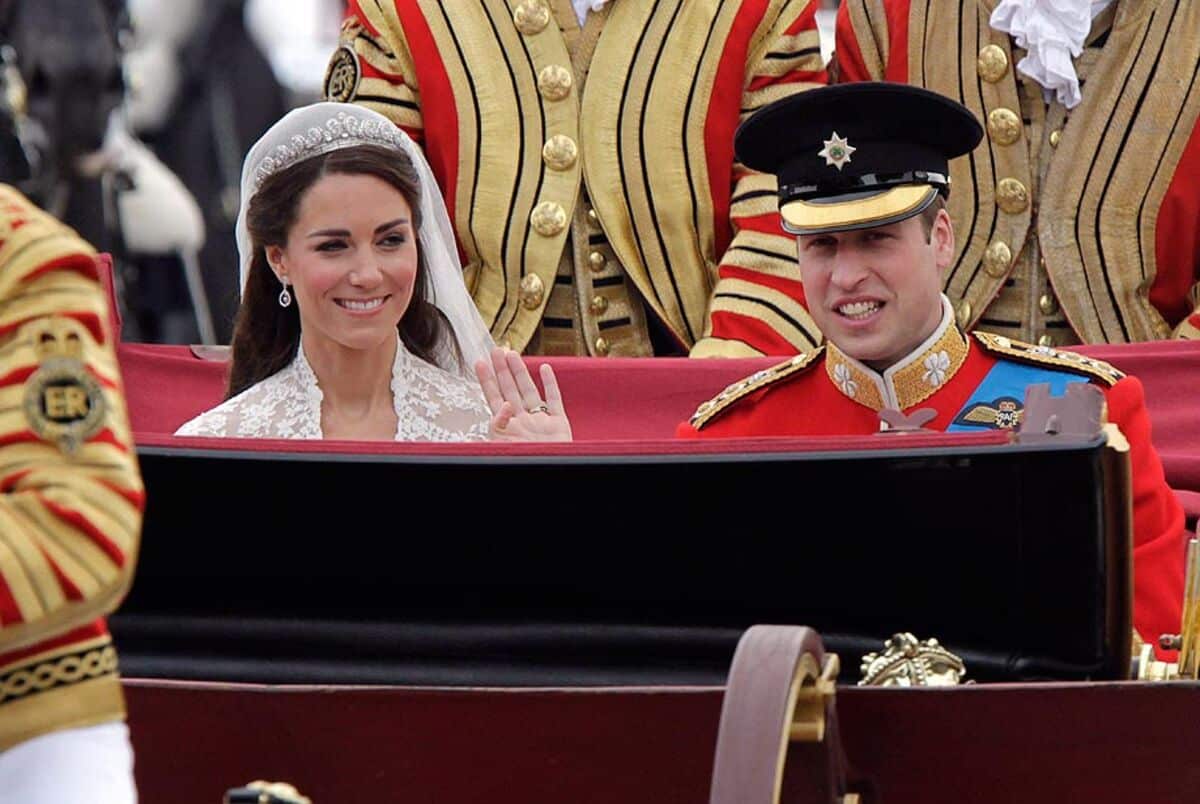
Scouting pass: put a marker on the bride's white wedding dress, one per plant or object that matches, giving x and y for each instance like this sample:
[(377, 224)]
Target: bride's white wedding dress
[(431, 404)]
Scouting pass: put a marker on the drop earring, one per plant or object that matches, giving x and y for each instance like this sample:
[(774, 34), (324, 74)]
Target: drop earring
[(285, 296)]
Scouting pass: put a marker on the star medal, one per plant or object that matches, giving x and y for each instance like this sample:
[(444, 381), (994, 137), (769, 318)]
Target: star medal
[(837, 151)]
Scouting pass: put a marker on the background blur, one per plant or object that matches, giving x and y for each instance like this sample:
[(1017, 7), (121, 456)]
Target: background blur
[(128, 119)]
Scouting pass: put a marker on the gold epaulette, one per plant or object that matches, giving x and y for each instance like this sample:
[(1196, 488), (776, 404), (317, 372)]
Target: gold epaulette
[(760, 379), (1045, 356)]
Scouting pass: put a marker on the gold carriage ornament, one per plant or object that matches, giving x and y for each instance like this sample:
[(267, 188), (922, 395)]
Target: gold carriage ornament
[(909, 662), (262, 792), (1187, 641)]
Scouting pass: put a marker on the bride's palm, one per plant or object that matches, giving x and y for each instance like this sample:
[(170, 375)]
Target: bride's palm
[(518, 411)]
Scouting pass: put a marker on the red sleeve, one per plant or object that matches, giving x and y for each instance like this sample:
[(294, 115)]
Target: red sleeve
[(871, 41), (1158, 529), (846, 52), (70, 515), (757, 306), (1176, 289)]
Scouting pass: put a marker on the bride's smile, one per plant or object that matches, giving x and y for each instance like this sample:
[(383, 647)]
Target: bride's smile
[(362, 306), (351, 259)]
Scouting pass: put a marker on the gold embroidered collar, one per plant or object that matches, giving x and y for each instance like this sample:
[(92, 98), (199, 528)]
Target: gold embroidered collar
[(908, 382)]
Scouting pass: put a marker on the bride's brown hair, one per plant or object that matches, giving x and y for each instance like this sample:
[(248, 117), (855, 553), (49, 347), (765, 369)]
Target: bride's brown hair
[(265, 335)]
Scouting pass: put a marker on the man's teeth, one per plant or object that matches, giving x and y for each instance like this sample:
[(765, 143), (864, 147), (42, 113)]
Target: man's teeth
[(366, 304), (859, 309)]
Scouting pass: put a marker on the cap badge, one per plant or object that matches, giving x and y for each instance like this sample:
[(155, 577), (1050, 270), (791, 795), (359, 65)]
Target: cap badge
[(837, 151)]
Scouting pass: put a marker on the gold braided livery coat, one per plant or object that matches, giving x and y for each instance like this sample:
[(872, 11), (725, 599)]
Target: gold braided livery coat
[(1073, 225), (589, 171), (70, 494)]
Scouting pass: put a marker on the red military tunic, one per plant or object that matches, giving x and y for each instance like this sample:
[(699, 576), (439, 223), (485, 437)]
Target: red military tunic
[(972, 384)]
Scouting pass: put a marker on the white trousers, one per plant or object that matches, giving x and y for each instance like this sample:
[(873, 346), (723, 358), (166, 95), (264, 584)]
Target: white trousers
[(90, 765)]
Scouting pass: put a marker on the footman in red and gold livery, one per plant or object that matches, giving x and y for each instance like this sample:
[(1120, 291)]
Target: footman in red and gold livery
[(586, 156), (71, 504), (1077, 213)]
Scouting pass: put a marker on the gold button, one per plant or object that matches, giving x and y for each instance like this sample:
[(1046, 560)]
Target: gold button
[(505, 343), (997, 259), (1048, 304), (559, 152), (599, 305), (531, 16), (593, 218), (554, 82), (992, 63), (601, 346), (548, 218), (532, 291), (1055, 137), (597, 261), (1012, 196), (1004, 126), (963, 314), (1046, 339)]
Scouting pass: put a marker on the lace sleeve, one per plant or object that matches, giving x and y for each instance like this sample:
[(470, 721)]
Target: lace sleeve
[(277, 407), (212, 423)]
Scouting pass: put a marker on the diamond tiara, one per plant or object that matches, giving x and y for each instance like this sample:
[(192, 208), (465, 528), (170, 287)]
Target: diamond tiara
[(342, 131)]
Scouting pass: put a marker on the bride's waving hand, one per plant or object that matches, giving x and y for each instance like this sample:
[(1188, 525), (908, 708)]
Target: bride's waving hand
[(518, 411)]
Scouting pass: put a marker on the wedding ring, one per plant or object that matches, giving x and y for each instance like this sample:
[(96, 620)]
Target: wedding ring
[(542, 408)]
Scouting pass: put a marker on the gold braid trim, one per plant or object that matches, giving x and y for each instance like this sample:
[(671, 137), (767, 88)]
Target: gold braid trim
[(643, 139), (1187, 330), (512, 211), (1045, 356), (922, 378), (88, 703), (67, 687), (714, 407), (943, 45), (35, 289), (1098, 211), (709, 346), (852, 381), (785, 316), (37, 674), (868, 18), (1097, 208)]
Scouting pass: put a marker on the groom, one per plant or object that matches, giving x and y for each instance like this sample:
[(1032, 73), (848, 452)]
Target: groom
[(863, 178)]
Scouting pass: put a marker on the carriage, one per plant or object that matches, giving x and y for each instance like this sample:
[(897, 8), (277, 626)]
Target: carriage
[(581, 647)]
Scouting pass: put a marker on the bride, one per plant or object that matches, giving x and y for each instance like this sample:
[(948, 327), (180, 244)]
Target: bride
[(355, 322)]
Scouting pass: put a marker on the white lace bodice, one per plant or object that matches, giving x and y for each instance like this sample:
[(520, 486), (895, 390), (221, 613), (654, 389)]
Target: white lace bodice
[(431, 404)]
